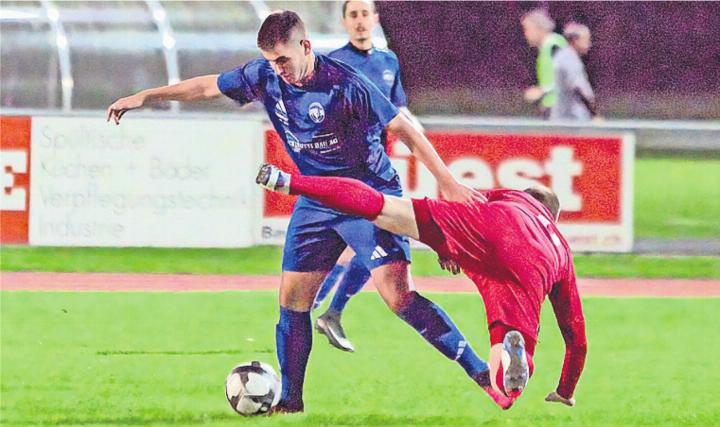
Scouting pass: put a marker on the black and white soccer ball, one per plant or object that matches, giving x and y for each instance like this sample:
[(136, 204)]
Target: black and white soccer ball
[(252, 388)]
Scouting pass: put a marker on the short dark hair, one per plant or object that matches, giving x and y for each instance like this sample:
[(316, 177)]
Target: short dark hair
[(277, 28), (545, 196), (345, 3)]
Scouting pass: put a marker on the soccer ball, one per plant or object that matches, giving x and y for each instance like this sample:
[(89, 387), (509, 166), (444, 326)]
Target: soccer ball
[(252, 388)]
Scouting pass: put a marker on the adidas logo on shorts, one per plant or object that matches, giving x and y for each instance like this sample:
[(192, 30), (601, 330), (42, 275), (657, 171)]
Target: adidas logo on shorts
[(378, 253)]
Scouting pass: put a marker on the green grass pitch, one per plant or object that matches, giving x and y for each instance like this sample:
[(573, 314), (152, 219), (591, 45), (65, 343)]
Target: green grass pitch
[(161, 359), (677, 198), (266, 260)]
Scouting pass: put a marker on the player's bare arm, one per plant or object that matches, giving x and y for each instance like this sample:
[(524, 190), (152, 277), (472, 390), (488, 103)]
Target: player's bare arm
[(194, 89), (413, 119), (422, 149)]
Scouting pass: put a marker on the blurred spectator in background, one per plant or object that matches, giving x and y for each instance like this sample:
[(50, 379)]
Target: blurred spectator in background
[(575, 97), (381, 66), (538, 30)]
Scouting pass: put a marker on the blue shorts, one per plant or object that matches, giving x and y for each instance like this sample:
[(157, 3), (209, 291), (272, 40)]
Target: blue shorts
[(317, 235)]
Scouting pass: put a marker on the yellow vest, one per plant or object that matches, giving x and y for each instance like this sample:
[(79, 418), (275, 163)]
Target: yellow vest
[(545, 71)]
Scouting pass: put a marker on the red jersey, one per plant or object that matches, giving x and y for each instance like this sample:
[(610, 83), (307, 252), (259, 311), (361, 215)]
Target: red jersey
[(511, 249)]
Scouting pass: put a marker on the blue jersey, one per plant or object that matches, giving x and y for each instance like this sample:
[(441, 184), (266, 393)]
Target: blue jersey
[(381, 66), (331, 126)]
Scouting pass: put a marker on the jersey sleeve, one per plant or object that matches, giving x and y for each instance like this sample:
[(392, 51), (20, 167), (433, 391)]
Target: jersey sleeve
[(566, 304), (369, 104), (243, 84), (397, 94)]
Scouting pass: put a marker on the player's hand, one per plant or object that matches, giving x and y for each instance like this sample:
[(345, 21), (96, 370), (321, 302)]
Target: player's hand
[(118, 108), (449, 265), (555, 397), (461, 193), (533, 94)]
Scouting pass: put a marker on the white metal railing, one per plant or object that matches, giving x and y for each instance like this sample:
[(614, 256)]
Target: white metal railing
[(673, 135), (168, 45), (113, 39), (61, 41)]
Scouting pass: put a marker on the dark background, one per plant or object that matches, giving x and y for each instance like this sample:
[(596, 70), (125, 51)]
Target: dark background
[(649, 59)]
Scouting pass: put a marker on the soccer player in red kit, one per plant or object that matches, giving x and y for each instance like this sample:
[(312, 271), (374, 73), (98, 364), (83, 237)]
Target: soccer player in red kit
[(507, 243)]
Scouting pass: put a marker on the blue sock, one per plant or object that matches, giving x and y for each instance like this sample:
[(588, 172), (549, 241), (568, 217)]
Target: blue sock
[(354, 279), (328, 284), (439, 330), (293, 336)]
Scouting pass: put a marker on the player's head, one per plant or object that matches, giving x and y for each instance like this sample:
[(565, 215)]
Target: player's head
[(546, 196), (359, 19), (578, 35), (536, 25), (283, 42)]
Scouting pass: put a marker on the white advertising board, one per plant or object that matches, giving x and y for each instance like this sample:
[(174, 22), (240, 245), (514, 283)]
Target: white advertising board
[(147, 182)]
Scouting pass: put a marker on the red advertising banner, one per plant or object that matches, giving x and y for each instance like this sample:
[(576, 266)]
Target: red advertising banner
[(15, 135), (592, 177)]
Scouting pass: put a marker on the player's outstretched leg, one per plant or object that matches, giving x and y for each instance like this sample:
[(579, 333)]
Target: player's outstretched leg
[(347, 195), (436, 327), (350, 196), (432, 323), (356, 198)]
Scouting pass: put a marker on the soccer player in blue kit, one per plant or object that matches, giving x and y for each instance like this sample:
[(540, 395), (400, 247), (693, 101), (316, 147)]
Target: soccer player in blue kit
[(381, 67), (331, 120)]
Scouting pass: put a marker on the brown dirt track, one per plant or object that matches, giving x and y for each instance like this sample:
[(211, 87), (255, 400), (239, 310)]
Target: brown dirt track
[(94, 282)]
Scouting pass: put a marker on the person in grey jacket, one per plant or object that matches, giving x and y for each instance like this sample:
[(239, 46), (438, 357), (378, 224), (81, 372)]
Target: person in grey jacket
[(575, 96)]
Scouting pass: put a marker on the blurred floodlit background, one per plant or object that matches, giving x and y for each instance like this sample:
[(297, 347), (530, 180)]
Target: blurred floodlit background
[(649, 59)]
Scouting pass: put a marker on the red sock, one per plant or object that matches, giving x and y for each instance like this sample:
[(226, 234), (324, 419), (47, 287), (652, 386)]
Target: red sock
[(347, 195)]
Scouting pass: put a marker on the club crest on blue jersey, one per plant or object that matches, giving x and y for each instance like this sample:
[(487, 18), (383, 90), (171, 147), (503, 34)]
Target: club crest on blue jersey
[(389, 77), (281, 113), (316, 112), (323, 131)]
